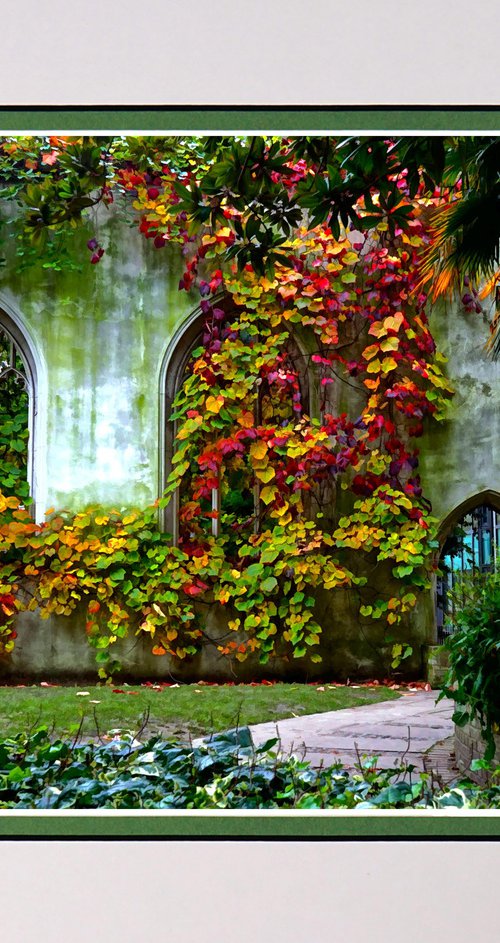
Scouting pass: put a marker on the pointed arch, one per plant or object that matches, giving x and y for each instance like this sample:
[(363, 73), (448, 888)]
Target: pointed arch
[(488, 497), (175, 360), (12, 322), (21, 347), (469, 543)]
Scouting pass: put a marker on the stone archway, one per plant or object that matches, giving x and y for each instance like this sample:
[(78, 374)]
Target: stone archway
[(18, 382), (469, 545)]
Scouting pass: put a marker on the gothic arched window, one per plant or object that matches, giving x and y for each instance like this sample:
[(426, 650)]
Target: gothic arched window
[(233, 501), (17, 412), (470, 549)]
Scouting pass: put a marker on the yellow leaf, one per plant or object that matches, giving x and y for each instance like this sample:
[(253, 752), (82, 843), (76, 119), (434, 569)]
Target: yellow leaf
[(258, 449), (371, 351), (350, 258), (214, 404), (394, 322), (389, 343), (246, 420), (268, 494), (265, 474)]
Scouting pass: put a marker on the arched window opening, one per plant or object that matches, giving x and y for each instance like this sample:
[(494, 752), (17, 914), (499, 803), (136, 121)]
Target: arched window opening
[(229, 502), (470, 550), (16, 413)]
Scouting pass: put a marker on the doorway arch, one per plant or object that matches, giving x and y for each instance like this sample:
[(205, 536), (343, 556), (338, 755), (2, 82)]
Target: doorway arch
[(469, 547)]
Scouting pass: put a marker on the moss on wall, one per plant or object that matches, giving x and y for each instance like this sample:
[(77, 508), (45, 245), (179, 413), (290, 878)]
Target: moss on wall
[(460, 456), (102, 332)]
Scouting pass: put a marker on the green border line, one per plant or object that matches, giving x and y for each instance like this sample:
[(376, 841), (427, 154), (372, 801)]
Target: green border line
[(207, 119), (219, 827), (231, 119)]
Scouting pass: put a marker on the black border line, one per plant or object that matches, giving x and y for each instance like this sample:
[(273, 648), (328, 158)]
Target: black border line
[(249, 108), (263, 839)]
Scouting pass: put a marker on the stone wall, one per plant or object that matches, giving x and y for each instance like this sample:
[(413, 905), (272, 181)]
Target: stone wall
[(469, 745), (460, 456), (101, 336), (437, 665)]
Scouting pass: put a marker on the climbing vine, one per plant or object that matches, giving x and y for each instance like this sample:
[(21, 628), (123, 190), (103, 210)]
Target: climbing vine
[(295, 461)]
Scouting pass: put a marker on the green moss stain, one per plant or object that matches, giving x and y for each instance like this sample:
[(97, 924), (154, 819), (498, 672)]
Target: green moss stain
[(103, 332)]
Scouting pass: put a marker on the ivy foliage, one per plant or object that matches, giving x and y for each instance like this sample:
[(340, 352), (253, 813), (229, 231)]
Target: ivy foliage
[(14, 406), (473, 678), (55, 180), (224, 772), (306, 257)]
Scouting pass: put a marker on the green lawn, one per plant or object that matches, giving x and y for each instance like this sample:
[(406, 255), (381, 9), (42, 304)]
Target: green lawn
[(189, 709)]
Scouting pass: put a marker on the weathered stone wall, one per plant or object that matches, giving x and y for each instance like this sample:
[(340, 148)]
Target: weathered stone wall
[(460, 456), (100, 337), (437, 665), (469, 745)]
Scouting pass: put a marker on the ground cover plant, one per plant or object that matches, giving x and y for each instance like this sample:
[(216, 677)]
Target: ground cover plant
[(187, 710), (225, 772)]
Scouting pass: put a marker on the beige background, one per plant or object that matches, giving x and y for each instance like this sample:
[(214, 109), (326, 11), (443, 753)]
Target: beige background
[(234, 892), (263, 51), (232, 52)]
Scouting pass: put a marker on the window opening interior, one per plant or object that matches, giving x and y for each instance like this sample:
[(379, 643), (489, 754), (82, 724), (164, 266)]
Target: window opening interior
[(15, 393), (232, 502), (471, 550)]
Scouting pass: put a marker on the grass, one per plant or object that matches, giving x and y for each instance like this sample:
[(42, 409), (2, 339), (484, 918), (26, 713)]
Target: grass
[(190, 709)]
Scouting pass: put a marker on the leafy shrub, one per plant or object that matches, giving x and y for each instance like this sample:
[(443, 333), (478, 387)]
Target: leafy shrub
[(224, 772), (473, 679)]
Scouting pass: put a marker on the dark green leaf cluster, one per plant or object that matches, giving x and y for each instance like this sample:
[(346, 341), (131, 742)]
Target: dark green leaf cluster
[(255, 176), (473, 679), (223, 772)]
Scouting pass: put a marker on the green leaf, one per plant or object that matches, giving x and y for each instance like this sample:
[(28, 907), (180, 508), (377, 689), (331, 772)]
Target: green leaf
[(269, 584)]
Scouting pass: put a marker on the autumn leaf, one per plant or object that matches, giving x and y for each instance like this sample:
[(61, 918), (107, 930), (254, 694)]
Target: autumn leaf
[(214, 404)]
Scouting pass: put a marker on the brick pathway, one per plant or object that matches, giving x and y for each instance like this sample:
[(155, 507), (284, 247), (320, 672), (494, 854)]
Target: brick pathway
[(413, 730)]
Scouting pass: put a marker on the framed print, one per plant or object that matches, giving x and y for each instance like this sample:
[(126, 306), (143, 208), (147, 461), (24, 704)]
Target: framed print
[(107, 431)]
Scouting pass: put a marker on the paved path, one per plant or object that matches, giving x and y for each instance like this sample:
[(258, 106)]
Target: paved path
[(413, 730)]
